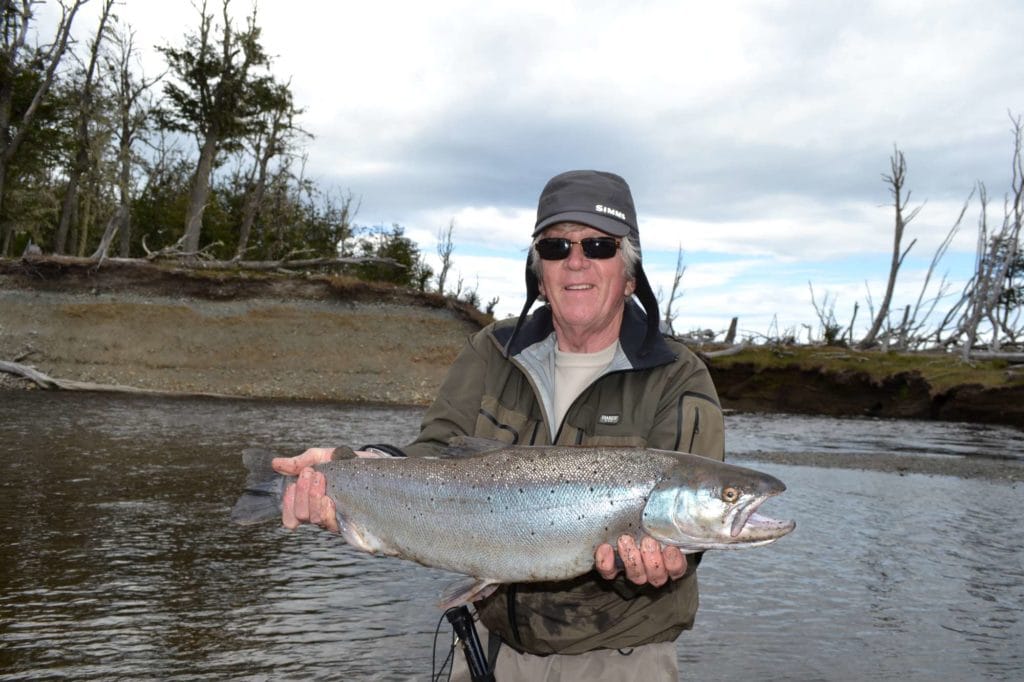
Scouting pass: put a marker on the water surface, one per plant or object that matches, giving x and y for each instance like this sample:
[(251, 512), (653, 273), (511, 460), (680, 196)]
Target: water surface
[(117, 560)]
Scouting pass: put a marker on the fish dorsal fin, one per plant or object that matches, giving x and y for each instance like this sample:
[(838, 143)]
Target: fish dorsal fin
[(466, 446)]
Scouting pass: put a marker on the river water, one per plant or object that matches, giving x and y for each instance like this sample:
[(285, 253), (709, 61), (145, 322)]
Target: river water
[(117, 560)]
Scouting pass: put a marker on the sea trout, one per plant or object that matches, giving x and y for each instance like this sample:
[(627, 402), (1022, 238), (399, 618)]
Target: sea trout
[(506, 514)]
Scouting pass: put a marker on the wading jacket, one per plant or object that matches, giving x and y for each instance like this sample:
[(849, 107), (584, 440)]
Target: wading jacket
[(656, 395)]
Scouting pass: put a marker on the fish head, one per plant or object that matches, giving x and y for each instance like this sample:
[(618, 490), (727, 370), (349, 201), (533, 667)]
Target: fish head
[(705, 504)]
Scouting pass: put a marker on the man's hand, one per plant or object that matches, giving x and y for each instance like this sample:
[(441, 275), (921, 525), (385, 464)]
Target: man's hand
[(648, 563), (306, 500)]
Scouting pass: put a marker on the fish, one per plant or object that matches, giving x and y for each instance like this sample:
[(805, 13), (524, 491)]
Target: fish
[(500, 514)]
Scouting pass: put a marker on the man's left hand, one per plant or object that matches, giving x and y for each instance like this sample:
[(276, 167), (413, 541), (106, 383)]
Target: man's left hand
[(646, 564)]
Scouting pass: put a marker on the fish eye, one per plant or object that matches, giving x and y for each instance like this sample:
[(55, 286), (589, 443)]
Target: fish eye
[(730, 494)]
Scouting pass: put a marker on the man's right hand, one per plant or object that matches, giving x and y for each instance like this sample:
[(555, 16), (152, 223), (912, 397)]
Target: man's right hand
[(306, 500)]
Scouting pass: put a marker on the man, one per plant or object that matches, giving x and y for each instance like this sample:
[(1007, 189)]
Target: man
[(589, 368)]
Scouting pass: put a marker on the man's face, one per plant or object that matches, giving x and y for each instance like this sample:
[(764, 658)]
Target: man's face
[(586, 295)]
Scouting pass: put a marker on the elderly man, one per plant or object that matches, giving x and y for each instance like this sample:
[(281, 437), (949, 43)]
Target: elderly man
[(589, 368)]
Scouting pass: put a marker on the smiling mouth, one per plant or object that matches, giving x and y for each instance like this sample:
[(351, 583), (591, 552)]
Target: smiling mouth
[(579, 287)]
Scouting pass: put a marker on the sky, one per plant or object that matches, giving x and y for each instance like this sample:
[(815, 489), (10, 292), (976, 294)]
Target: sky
[(754, 134)]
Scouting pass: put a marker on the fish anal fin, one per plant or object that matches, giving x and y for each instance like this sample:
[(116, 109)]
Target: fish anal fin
[(465, 591)]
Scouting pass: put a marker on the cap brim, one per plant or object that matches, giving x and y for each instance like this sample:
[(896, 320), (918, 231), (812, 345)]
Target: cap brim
[(595, 220)]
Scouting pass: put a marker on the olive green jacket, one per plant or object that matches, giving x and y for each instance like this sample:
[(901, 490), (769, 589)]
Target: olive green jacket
[(655, 394)]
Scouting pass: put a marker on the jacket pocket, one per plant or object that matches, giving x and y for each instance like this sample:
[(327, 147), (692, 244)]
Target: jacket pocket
[(700, 426), (499, 423)]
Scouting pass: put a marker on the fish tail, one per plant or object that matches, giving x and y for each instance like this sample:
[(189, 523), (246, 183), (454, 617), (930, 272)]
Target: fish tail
[(264, 489)]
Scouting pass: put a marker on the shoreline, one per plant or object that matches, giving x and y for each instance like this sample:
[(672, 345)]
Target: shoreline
[(958, 466), (997, 470)]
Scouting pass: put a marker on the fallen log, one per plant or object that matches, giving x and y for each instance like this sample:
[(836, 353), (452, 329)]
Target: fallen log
[(1007, 356), (732, 350), (50, 383)]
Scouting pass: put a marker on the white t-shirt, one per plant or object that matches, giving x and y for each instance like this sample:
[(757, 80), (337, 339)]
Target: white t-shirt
[(574, 372)]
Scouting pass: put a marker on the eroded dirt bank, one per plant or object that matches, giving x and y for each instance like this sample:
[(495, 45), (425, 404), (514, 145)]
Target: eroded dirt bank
[(273, 337)]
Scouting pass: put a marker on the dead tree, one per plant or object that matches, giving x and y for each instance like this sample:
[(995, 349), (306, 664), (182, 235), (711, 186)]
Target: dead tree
[(83, 158), (913, 330), (132, 113), (273, 133), (675, 294), (445, 248), (895, 181), (831, 330)]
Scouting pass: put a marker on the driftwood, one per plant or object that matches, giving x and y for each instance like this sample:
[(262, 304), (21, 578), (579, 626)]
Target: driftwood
[(47, 382), (732, 350), (1012, 358), (190, 261)]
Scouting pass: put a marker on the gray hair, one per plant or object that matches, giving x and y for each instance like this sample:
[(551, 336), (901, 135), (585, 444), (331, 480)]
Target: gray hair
[(628, 251)]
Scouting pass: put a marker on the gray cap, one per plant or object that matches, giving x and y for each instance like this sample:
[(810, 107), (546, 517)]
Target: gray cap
[(595, 198)]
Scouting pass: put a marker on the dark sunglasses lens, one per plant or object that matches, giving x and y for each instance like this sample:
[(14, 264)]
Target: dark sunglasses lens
[(558, 248), (599, 247), (553, 248)]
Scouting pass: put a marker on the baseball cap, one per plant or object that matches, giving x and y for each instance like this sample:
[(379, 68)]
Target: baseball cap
[(597, 199)]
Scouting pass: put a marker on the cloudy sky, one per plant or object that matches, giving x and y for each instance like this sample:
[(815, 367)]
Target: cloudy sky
[(754, 134)]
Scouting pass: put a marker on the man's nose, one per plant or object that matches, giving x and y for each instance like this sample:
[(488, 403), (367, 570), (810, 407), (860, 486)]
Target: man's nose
[(576, 259)]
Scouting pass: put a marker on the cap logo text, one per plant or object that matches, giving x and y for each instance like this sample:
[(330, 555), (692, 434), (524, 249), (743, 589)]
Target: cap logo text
[(610, 211)]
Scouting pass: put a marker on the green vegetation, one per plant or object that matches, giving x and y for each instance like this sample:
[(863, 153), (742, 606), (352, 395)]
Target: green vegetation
[(941, 370)]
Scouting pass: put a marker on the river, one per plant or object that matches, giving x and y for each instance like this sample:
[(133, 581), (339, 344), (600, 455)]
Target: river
[(117, 560)]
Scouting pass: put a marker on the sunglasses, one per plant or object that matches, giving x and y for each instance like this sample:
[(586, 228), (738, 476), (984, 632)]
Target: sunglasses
[(558, 248)]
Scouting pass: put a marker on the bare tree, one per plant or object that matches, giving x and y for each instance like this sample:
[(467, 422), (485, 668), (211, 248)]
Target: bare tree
[(896, 181), (272, 135), (831, 330), (675, 293), (16, 61), (445, 248), (914, 332), (133, 111), (83, 145), (996, 254)]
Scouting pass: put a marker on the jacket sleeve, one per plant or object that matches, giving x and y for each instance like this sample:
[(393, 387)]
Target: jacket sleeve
[(454, 410), (689, 417)]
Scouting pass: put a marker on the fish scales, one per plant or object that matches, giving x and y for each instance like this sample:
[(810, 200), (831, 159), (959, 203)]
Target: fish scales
[(508, 516)]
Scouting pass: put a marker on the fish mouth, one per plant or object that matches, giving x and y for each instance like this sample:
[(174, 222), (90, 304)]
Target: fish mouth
[(749, 526)]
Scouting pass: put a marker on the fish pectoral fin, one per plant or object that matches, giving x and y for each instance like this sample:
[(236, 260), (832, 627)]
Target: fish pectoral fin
[(465, 591), (468, 446)]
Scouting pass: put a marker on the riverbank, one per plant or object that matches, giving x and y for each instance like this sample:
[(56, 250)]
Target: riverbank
[(262, 336), (330, 337)]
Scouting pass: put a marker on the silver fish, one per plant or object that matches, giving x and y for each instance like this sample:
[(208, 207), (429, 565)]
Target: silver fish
[(506, 514)]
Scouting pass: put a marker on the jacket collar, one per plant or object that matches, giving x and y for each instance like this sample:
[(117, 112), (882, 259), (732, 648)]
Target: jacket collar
[(642, 352)]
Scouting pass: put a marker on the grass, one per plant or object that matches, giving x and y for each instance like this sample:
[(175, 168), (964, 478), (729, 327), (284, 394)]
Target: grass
[(941, 370)]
